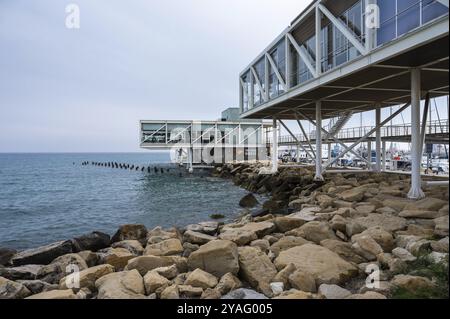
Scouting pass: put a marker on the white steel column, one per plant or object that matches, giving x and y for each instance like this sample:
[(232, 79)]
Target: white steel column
[(329, 151), (383, 150), (318, 176), (369, 153), (298, 153), (274, 146), (318, 40), (415, 192), (378, 138), (190, 156)]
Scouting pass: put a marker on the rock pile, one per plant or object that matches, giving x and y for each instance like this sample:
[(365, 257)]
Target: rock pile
[(310, 241)]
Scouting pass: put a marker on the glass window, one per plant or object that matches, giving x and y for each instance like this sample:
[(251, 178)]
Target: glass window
[(431, 9), (340, 47), (261, 73), (408, 15), (387, 30), (246, 92)]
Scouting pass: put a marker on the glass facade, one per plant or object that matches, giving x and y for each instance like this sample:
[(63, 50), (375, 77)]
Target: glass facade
[(397, 17)]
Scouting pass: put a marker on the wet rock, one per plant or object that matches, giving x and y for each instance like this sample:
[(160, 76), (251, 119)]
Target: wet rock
[(248, 201), (256, 268), (93, 241), (27, 272), (323, 264), (333, 292), (12, 290), (131, 232), (200, 278), (121, 285), (42, 255), (243, 293), (145, 264), (87, 277), (166, 247), (133, 246), (5, 255)]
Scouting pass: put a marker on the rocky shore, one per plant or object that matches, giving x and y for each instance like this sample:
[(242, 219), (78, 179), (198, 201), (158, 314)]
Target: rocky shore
[(309, 241)]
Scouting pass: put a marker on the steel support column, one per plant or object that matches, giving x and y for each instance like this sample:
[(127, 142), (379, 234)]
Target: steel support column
[(383, 150), (274, 146), (369, 154), (318, 176), (378, 138), (416, 157)]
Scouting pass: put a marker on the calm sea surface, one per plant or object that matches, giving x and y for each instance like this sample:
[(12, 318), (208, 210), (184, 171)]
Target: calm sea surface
[(50, 197)]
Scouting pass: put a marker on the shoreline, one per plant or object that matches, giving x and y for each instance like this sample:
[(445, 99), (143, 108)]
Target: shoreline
[(349, 221)]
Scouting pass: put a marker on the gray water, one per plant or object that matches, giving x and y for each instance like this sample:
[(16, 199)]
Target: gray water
[(50, 197)]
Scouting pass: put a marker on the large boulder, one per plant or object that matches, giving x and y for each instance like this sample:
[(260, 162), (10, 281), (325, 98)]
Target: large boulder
[(55, 295), (303, 281), (12, 290), (117, 257), (121, 285), (286, 223), (366, 246), (144, 264), (42, 255), (248, 201), (93, 241), (202, 279), (217, 257), (166, 247), (316, 231), (86, 277), (247, 233), (343, 249), (227, 283), (287, 242), (386, 221), (154, 281), (323, 264), (382, 237), (194, 237), (26, 272), (424, 214), (60, 266), (355, 194), (37, 286), (157, 234), (412, 283), (5, 255), (133, 246), (427, 204), (256, 268), (131, 231), (441, 226)]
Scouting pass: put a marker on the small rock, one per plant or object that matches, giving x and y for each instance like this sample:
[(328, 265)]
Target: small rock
[(211, 294), (367, 295), (333, 292), (262, 244), (168, 272), (303, 281), (170, 292), (166, 247), (248, 201), (200, 278), (154, 281), (277, 288), (412, 283), (117, 257), (403, 254), (197, 238), (121, 285), (89, 257), (227, 283), (190, 291), (145, 264), (243, 293), (133, 246)]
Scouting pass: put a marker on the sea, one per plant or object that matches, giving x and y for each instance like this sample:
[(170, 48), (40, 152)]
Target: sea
[(50, 197)]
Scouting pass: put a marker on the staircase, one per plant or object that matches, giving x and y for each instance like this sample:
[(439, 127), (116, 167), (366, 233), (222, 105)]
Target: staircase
[(337, 123)]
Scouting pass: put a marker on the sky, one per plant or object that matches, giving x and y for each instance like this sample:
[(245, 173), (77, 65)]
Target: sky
[(85, 90)]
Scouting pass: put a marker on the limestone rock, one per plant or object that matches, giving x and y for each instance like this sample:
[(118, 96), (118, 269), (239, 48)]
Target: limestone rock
[(60, 266), (130, 232), (197, 238), (190, 291), (343, 249), (42, 255), (200, 278), (243, 293), (403, 254), (366, 246), (283, 274), (37, 286), (117, 257), (5, 255), (217, 257), (87, 277), (93, 241), (12, 290), (382, 237), (227, 283), (338, 223), (412, 283), (262, 244), (256, 268), (425, 214), (333, 292), (121, 285), (133, 246), (441, 228), (294, 294), (168, 272), (157, 234), (209, 293), (144, 264), (166, 247), (55, 294), (387, 222), (287, 242), (247, 233), (170, 292), (90, 258), (154, 281), (324, 265), (316, 232), (367, 295), (26, 272), (303, 281), (427, 204), (285, 223)]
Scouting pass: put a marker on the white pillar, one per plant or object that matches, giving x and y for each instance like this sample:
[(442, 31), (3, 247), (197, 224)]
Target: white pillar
[(190, 157), (274, 146), (383, 151), (415, 192), (298, 153), (369, 153), (318, 176), (378, 138), (329, 151), (318, 27)]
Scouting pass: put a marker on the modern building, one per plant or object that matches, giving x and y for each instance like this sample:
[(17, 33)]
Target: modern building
[(346, 56)]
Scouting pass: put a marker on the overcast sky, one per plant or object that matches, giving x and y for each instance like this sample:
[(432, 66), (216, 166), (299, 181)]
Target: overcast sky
[(85, 90)]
